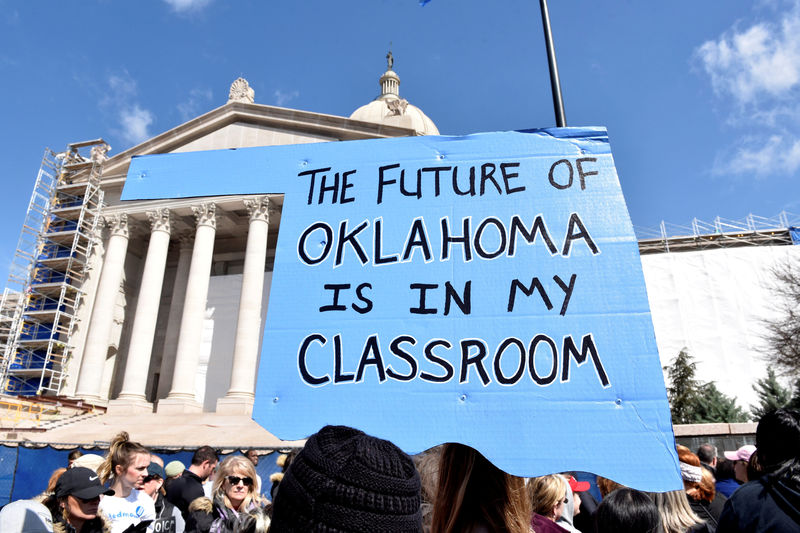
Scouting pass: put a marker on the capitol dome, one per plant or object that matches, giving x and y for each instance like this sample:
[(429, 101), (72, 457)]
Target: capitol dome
[(390, 109)]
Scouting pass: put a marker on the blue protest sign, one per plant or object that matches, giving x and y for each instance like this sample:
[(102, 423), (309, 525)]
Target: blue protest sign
[(484, 289)]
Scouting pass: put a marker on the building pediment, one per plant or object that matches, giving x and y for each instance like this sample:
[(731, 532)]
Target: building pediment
[(241, 125)]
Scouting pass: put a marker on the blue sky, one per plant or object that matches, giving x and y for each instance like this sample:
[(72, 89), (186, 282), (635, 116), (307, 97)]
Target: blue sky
[(700, 98)]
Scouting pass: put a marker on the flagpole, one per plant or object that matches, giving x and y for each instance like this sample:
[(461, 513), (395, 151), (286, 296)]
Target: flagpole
[(555, 83)]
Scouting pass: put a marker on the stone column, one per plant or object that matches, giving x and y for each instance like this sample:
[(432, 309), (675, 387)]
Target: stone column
[(181, 398), (90, 378), (185, 243), (132, 397), (240, 395)]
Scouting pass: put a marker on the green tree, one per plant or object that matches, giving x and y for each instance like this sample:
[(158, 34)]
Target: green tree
[(715, 406), (683, 389), (771, 395), (794, 402), (692, 401), (783, 332)]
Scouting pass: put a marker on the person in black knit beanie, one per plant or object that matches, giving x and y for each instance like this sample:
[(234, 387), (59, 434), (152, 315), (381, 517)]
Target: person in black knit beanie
[(346, 481)]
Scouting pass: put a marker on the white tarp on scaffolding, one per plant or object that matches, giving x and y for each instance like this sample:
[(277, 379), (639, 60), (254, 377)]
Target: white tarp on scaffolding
[(713, 302)]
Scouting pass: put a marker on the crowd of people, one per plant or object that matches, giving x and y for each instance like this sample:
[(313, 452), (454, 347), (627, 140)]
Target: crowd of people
[(343, 480)]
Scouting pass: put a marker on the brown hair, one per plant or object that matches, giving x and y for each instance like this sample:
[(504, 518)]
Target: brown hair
[(74, 454), (706, 489), (607, 486), (120, 453), (59, 507), (685, 455), (472, 491), (51, 485)]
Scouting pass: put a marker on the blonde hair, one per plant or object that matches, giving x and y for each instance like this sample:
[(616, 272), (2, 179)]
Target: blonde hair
[(120, 453), (676, 514), (228, 467), (546, 492)]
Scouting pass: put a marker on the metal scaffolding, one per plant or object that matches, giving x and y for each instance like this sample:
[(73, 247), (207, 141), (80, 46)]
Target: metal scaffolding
[(721, 233), (38, 312)]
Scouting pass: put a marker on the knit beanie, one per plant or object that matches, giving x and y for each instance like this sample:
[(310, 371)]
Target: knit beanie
[(174, 468), (344, 481)]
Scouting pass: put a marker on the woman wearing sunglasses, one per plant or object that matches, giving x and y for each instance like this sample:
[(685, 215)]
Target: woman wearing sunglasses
[(234, 496), (75, 501)]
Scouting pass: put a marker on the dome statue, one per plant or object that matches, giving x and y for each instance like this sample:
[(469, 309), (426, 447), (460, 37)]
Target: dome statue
[(390, 109)]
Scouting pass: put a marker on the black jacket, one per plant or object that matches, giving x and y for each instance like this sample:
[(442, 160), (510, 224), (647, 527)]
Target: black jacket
[(709, 512), (95, 525), (165, 518), (767, 505), (184, 490)]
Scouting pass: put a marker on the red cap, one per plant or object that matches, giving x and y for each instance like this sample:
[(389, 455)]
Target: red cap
[(578, 486)]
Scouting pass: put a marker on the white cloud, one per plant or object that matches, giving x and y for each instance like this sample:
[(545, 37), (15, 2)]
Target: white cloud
[(755, 69), (135, 122), (186, 6), (762, 60), (120, 101), (193, 105), (282, 98), (759, 156), (122, 86)]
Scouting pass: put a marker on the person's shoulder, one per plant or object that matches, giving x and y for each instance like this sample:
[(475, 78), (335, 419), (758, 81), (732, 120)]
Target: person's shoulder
[(700, 528), (98, 524), (149, 508), (188, 475), (175, 484), (146, 499), (750, 490), (543, 524), (109, 501)]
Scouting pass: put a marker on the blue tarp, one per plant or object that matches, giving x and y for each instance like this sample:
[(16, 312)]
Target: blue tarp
[(794, 231), (24, 472)]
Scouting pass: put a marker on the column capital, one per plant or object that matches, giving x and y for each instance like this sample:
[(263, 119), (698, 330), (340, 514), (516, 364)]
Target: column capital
[(205, 214), (118, 224), (159, 220), (258, 208)]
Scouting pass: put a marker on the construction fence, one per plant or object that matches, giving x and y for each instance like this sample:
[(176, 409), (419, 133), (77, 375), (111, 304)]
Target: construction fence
[(25, 471)]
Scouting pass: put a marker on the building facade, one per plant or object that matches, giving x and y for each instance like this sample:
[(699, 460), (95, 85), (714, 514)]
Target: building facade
[(160, 305)]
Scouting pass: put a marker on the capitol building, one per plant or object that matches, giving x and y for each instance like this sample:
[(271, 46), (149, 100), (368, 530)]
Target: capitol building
[(158, 307)]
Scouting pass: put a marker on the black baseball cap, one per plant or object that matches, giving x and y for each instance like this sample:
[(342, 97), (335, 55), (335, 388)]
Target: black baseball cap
[(82, 483)]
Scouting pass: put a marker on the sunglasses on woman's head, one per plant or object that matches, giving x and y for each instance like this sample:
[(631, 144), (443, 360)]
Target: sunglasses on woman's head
[(234, 480)]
